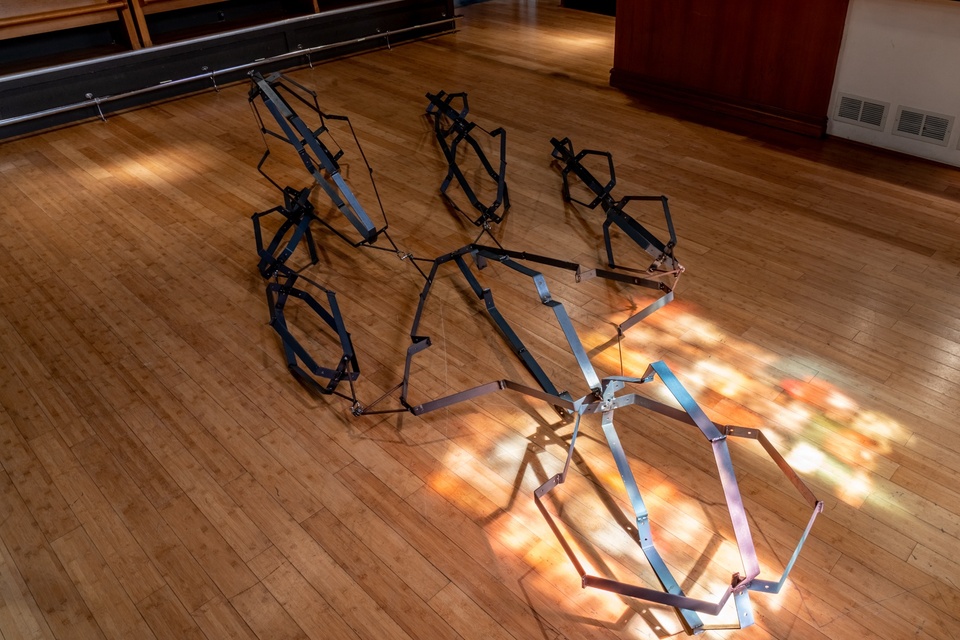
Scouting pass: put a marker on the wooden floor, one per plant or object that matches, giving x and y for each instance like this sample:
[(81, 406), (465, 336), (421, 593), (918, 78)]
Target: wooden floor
[(164, 476)]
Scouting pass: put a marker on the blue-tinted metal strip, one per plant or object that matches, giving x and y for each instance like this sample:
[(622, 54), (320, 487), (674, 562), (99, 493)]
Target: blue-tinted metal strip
[(728, 479), (767, 586), (738, 515), (569, 332), (645, 537), (301, 137), (686, 401), (573, 340), (654, 306)]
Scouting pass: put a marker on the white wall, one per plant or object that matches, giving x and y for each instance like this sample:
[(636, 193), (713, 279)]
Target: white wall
[(903, 52)]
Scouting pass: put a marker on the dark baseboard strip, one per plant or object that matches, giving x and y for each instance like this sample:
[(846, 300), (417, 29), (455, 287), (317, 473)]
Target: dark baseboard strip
[(52, 97), (720, 111)]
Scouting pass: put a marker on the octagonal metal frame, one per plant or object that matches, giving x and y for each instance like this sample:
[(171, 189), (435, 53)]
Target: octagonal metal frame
[(300, 363), (451, 127), (482, 255), (419, 343)]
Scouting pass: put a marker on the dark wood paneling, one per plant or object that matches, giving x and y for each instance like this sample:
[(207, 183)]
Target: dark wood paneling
[(755, 59)]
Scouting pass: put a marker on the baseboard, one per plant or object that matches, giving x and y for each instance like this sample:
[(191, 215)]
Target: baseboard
[(720, 111)]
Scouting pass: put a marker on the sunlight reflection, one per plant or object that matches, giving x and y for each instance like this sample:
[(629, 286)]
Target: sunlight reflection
[(822, 430), (774, 601), (515, 536), (442, 483), (839, 401), (794, 416), (878, 425), (804, 458), (721, 378), (859, 485), (565, 41), (816, 425)]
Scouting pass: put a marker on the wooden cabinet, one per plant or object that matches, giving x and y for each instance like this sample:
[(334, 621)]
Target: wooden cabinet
[(767, 62)]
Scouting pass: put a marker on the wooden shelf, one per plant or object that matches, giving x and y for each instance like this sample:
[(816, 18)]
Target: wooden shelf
[(49, 32)]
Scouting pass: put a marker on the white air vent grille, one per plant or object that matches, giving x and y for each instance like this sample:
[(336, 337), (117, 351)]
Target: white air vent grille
[(862, 112), (923, 125)]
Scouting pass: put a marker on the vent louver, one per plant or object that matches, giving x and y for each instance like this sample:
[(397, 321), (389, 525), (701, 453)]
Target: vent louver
[(936, 128), (910, 122), (863, 112), (873, 113), (923, 125), (850, 108)]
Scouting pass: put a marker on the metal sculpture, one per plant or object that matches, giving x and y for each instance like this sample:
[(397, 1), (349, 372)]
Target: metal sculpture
[(602, 397), (300, 363), (606, 402), (663, 273), (482, 256), (298, 213), (317, 157), (451, 128)]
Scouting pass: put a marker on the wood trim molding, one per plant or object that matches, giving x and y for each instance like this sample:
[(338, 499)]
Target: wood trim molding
[(715, 109)]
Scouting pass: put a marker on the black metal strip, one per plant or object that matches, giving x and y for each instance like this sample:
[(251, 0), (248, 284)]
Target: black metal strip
[(300, 363), (317, 158), (298, 214), (451, 128)]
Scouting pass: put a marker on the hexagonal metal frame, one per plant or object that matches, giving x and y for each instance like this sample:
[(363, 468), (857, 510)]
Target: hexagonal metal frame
[(451, 128), (671, 594)]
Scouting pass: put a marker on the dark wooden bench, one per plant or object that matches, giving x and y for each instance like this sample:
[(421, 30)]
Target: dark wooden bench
[(42, 16), (143, 8)]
